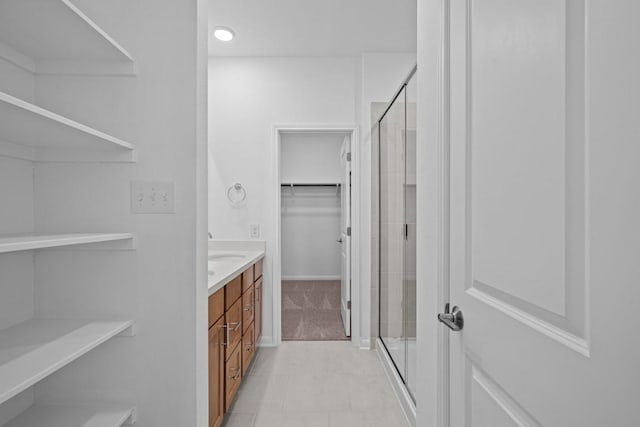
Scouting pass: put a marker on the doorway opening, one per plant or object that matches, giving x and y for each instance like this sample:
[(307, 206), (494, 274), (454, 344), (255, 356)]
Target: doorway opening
[(315, 234)]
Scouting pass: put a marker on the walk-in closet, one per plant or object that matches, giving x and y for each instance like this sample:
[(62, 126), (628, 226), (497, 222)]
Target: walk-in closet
[(314, 208)]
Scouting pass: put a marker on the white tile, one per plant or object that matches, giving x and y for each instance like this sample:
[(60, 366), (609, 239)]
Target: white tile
[(378, 418), (260, 392), (292, 419), (238, 420), (370, 393), (317, 392), (316, 384)]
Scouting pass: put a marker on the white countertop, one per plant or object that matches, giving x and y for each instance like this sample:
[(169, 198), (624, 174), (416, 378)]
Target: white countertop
[(227, 259)]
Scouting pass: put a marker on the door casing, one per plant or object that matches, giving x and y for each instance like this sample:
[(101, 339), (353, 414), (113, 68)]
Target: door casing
[(356, 253)]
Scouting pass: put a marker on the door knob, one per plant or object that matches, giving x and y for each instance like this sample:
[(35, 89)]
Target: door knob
[(454, 319), (339, 240)]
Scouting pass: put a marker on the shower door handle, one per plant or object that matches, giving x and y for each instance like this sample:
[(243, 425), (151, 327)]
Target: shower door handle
[(453, 320)]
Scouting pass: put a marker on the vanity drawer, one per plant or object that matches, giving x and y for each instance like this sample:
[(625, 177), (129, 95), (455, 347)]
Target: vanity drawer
[(233, 328), (257, 270), (247, 279), (233, 377), (216, 306), (248, 348), (232, 292), (248, 307)]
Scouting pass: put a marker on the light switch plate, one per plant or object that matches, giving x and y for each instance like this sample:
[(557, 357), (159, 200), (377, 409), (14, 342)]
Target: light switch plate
[(254, 231), (152, 197)]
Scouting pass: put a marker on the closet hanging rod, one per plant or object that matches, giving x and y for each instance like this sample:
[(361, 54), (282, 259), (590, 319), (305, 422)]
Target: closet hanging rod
[(310, 185)]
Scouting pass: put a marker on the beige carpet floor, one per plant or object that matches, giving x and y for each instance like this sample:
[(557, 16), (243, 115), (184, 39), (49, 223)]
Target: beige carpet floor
[(311, 310)]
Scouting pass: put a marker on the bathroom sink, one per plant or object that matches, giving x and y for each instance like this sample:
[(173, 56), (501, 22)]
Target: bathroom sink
[(226, 257)]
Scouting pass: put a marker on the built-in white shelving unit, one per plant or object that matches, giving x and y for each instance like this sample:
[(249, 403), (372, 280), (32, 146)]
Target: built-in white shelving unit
[(33, 350), (38, 134), (64, 416), (29, 241), (55, 37)]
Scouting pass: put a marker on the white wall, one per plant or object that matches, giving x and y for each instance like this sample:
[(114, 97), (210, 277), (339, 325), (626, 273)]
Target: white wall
[(310, 227), (310, 222), (247, 97), (311, 157), (16, 216), (155, 284)]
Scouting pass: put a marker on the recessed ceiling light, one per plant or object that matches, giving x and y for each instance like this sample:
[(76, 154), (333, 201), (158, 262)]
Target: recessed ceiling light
[(224, 34)]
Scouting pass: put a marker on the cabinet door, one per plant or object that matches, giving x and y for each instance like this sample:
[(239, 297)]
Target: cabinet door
[(233, 325), (258, 312), (248, 347), (233, 375), (248, 308), (216, 374)]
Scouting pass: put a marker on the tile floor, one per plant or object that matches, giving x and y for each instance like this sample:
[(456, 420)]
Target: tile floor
[(316, 384)]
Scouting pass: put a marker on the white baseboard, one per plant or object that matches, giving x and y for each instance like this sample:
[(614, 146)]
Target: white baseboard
[(401, 392), (266, 341), (311, 277), (365, 344)]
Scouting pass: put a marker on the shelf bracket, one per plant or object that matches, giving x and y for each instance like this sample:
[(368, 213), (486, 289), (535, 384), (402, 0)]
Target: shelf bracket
[(131, 331)]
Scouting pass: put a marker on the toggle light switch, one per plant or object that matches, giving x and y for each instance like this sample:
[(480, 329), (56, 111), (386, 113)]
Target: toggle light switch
[(152, 197)]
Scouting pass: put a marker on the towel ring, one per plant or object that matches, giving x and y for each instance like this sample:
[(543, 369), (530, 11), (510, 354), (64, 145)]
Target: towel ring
[(236, 194)]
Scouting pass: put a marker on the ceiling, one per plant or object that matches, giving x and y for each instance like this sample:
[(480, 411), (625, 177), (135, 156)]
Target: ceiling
[(313, 27)]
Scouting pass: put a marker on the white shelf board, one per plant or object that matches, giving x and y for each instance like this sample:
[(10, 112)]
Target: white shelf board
[(26, 124), (44, 35), (67, 416), (29, 241), (32, 350)]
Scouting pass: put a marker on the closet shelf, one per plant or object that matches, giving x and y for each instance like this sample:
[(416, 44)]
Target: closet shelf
[(25, 125), (29, 241), (32, 350), (55, 37), (69, 416)]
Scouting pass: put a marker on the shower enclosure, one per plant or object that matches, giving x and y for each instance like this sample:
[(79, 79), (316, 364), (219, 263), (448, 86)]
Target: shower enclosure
[(396, 182)]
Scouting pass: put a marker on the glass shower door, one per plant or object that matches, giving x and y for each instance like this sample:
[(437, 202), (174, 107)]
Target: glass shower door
[(397, 233), (392, 232)]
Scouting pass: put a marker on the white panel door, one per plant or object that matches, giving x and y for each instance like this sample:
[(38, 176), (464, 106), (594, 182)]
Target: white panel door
[(345, 235), (545, 212)]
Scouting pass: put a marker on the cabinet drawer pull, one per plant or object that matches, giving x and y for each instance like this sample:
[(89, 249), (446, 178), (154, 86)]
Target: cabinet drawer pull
[(228, 330)]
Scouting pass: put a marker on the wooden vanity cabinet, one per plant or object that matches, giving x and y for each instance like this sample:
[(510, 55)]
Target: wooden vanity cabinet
[(257, 311), (248, 308), (216, 359), (233, 376), (248, 348), (235, 326)]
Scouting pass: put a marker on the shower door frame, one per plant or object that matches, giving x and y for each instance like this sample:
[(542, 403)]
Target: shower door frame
[(356, 252)]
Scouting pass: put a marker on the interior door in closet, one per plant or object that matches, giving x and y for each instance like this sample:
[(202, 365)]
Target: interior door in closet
[(345, 238)]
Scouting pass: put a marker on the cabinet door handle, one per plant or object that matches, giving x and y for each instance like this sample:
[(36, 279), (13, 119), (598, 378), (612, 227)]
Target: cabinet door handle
[(227, 331)]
